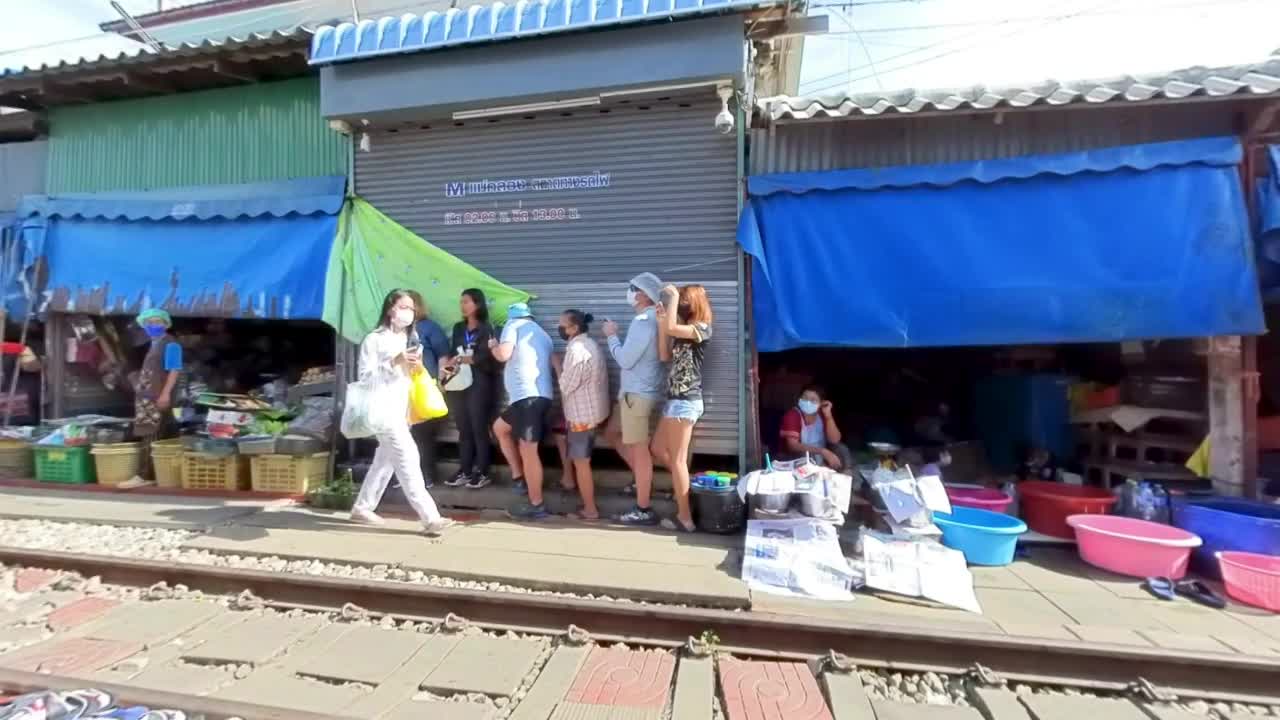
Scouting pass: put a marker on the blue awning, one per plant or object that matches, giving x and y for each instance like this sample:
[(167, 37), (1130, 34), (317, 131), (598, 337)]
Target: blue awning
[(1140, 242), (253, 250), (1268, 197)]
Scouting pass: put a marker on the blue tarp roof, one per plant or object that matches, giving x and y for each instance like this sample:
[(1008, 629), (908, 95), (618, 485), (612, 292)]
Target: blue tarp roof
[(1268, 198), (304, 196), (1148, 241), (253, 250), (502, 21)]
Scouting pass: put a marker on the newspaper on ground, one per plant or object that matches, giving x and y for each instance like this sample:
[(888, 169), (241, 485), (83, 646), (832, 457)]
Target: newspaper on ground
[(918, 568), (799, 558)]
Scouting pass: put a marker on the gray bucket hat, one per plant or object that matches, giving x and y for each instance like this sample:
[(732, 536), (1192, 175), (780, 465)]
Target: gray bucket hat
[(650, 285)]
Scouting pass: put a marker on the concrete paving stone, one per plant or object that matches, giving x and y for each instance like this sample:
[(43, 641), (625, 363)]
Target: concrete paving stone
[(254, 641), (1184, 616), (1258, 619), (274, 688), (554, 681), (69, 656), (79, 612), (38, 606), (404, 682), (583, 711), (418, 710), (29, 580), (183, 679), (873, 609), (620, 677), (1107, 609), (997, 577), (1019, 606), (59, 504), (1051, 570), (1109, 635), (166, 654), (848, 698), (1255, 645), (1168, 712), (150, 623), (15, 637), (781, 690), (1183, 641), (998, 704), (1067, 707), (486, 665), (695, 688), (889, 710), (364, 654), (1035, 630)]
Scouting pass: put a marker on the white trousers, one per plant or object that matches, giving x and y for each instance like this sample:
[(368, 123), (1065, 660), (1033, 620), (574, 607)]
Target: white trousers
[(397, 454)]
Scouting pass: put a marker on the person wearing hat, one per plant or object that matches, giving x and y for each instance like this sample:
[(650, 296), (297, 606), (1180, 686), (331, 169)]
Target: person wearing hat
[(153, 392), (526, 349), (642, 388)]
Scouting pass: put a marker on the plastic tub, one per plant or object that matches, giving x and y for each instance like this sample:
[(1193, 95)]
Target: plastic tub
[(1047, 505), (1129, 546), (1251, 578), (1233, 524), (980, 498), (985, 537), (717, 509)]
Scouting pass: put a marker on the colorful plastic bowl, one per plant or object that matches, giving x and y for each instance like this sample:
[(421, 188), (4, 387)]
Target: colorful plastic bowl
[(980, 498), (1047, 505), (985, 537), (1251, 578), (1128, 546)]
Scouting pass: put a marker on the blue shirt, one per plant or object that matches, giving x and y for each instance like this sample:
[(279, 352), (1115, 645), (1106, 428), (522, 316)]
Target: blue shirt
[(528, 372), (637, 355), (435, 345)]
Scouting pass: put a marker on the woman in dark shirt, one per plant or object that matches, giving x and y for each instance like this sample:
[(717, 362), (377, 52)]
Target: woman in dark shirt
[(472, 408)]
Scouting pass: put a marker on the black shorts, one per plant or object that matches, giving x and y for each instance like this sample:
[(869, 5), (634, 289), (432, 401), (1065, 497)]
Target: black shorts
[(528, 418)]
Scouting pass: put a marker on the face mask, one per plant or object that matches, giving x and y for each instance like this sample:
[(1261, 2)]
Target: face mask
[(631, 297), (564, 334), (402, 319), (808, 407), (154, 331)]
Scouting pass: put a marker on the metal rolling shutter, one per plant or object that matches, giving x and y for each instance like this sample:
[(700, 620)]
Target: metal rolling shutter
[(670, 208)]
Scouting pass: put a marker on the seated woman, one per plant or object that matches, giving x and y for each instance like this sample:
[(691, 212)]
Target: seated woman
[(810, 427)]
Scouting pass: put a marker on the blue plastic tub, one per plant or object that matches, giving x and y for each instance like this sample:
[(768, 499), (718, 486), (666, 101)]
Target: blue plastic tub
[(985, 537), (1228, 524)]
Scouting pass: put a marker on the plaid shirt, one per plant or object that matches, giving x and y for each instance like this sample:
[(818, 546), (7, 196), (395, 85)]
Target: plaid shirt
[(584, 383)]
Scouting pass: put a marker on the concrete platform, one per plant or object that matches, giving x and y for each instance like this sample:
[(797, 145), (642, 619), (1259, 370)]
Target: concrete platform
[(69, 505)]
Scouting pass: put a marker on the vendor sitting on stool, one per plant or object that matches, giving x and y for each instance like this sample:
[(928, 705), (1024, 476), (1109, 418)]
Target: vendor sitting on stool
[(810, 428), (153, 393)]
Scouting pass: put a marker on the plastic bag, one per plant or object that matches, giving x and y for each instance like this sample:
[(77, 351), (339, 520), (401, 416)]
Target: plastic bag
[(364, 415), (426, 402)]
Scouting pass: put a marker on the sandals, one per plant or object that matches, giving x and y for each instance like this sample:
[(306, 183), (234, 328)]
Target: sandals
[(1194, 590)]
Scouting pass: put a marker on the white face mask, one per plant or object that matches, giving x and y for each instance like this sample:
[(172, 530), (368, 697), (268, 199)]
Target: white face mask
[(402, 318), (631, 297), (808, 407)]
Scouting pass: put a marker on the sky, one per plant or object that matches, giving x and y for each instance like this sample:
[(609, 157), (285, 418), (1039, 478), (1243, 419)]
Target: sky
[(871, 45)]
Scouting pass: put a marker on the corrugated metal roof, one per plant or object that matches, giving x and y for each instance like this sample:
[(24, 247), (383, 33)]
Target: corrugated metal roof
[(1235, 81), (144, 55), (301, 196), (500, 21)]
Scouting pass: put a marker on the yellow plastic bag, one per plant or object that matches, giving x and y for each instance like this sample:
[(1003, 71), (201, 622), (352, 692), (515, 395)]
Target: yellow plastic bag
[(426, 402)]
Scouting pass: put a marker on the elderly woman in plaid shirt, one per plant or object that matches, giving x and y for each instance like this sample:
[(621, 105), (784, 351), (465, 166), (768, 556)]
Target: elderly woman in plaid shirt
[(584, 397)]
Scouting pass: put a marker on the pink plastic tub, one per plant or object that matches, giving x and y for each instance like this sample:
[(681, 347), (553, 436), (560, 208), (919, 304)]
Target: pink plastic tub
[(980, 498), (1133, 547), (1251, 578)]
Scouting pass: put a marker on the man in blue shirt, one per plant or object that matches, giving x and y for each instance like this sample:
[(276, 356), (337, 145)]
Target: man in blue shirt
[(526, 349), (435, 345)]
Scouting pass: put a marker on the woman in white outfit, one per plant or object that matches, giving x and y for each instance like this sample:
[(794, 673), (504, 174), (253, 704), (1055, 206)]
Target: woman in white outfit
[(387, 360)]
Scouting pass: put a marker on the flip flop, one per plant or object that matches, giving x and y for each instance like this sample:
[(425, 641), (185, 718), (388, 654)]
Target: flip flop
[(1161, 587), (1201, 593)]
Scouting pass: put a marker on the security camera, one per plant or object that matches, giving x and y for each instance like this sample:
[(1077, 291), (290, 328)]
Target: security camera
[(724, 118)]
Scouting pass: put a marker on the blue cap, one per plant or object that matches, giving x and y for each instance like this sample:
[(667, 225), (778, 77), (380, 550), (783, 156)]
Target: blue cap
[(516, 311)]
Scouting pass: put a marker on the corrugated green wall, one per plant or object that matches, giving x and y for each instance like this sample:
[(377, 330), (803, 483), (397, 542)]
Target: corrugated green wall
[(269, 131)]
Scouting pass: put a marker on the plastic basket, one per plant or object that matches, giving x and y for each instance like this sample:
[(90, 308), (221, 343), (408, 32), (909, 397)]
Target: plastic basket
[(210, 472), (288, 474), (117, 462), (166, 463), (70, 465), (1252, 578), (16, 460)]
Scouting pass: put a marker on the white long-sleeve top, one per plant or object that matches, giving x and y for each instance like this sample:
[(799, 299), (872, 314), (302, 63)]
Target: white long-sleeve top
[(377, 365)]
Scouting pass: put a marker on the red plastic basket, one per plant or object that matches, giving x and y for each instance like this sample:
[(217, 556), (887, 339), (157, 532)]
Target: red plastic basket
[(1047, 505), (1251, 578)]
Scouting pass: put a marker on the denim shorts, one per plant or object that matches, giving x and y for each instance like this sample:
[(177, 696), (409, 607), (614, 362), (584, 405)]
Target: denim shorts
[(688, 410)]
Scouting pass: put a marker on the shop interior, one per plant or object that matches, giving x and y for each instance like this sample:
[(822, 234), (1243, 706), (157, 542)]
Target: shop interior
[(1011, 412)]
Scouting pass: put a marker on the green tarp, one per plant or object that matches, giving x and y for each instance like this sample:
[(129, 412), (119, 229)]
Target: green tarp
[(373, 255)]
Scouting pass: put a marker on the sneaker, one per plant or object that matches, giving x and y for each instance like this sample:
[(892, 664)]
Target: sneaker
[(458, 480), (366, 517), (519, 486), (479, 481), (528, 511), (436, 528), (639, 516)]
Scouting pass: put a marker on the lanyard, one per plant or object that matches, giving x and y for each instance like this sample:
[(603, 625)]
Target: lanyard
[(469, 337)]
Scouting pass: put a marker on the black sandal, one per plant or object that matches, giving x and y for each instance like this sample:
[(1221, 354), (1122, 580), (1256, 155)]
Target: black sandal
[(1201, 593)]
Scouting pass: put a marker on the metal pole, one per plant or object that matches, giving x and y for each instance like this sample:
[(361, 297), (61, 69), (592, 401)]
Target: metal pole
[(13, 383), (355, 11)]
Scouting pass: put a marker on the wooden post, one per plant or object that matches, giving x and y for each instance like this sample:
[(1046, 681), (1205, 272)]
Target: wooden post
[(1226, 415)]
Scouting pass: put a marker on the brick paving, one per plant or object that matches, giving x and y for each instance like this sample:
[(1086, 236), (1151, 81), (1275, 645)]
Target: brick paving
[(621, 677), (79, 612), (69, 656), (29, 580), (771, 691)]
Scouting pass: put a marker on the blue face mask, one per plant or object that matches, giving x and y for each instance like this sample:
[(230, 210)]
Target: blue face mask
[(808, 407), (155, 331)]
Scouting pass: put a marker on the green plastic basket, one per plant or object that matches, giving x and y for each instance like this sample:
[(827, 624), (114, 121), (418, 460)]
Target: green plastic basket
[(70, 465)]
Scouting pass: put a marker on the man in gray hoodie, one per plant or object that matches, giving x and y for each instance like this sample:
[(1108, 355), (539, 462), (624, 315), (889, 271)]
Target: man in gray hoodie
[(641, 391)]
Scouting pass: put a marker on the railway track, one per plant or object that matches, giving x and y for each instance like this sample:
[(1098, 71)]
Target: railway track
[(1061, 663)]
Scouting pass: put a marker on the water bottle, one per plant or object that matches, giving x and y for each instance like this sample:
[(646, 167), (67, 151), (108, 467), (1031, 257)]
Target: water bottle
[(1146, 501)]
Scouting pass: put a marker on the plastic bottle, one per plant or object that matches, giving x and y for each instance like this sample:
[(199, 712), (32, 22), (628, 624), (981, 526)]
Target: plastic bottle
[(1146, 501)]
